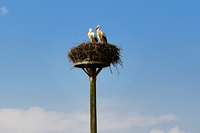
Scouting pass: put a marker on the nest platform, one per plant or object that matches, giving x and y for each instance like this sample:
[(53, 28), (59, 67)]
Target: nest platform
[(89, 64)]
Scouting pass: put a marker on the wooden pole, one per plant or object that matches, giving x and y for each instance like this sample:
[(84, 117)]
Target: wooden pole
[(93, 112), (92, 69)]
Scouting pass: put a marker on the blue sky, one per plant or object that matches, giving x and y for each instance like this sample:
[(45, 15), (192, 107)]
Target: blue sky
[(157, 90)]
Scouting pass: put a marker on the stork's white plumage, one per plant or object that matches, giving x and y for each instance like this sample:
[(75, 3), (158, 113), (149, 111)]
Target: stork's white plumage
[(101, 35), (92, 35)]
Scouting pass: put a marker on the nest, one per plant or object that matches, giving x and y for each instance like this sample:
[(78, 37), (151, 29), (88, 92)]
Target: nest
[(89, 51)]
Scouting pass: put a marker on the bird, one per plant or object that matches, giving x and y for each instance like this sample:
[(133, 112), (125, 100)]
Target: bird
[(101, 35), (92, 35)]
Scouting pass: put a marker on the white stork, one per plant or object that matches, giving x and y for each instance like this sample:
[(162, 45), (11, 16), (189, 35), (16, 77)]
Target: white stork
[(101, 35), (92, 35)]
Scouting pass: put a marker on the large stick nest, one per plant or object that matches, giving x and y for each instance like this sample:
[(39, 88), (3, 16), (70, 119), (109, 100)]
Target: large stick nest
[(89, 51)]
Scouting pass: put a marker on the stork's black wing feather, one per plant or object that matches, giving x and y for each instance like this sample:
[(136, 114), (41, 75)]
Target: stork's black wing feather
[(105, 38), (96, 40)]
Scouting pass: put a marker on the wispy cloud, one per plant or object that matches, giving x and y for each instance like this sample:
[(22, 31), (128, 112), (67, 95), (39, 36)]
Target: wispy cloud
[(124, 121), (117, 113), (113, 121), (4, 10), (173, 130), (156, 131)]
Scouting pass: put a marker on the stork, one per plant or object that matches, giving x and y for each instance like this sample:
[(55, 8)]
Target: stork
[(92, 35), (101, 35)]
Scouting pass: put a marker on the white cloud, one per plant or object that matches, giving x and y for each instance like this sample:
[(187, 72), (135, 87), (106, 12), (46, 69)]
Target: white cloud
[(4, 10), (37, 120), (173, 130)]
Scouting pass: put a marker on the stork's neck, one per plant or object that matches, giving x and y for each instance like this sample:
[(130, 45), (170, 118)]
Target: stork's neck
[(98, 29)]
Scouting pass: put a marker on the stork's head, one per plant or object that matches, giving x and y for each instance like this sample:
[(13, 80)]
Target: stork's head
[(98, 27), (90, 30)]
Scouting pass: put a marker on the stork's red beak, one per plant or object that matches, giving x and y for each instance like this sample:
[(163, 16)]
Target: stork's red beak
[(97, 28), (87, 32)]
